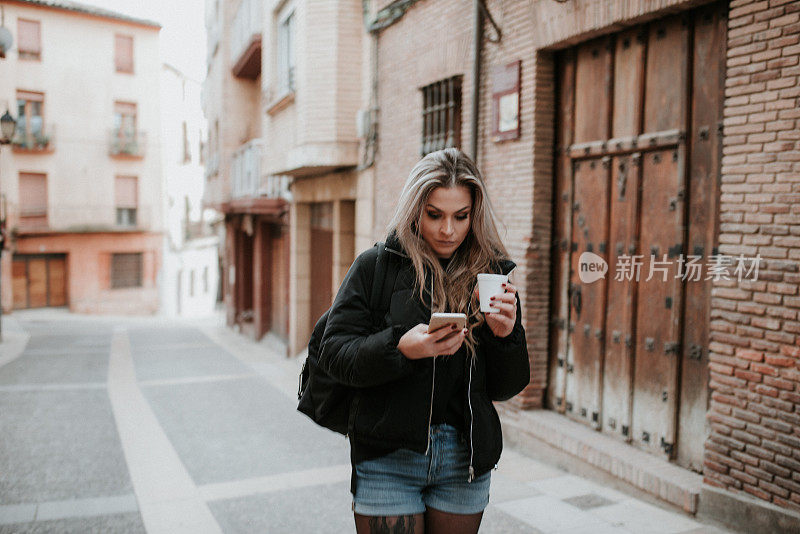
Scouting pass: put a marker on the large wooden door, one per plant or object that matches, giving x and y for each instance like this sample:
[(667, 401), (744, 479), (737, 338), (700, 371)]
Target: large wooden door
[(637, 165), (39, 280)]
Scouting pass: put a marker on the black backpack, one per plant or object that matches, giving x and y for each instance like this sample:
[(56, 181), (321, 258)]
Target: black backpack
[(321, 397)]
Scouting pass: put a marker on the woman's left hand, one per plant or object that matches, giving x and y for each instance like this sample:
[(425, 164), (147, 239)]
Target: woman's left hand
[(502, 322)]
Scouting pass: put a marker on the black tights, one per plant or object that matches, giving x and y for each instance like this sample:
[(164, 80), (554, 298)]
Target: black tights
[(432, 521)]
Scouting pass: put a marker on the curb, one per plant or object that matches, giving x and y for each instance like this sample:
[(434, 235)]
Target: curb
[(663, 480)]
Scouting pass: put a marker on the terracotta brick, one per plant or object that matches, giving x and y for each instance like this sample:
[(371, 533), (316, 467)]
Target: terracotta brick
[(761, 494), (766, 390)]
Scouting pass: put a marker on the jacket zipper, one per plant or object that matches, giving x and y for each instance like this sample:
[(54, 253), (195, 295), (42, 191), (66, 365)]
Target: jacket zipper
[(469, 401), (471, 476), (430, 413), (433, 386)]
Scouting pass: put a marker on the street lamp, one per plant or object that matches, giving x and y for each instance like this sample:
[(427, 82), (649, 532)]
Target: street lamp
[(7, 127)]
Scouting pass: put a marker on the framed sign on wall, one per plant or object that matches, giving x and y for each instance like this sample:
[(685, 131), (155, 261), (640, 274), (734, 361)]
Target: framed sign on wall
[(505, 101)]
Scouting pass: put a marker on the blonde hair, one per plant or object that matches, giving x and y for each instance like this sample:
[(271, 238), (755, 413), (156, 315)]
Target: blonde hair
[(450, 290)]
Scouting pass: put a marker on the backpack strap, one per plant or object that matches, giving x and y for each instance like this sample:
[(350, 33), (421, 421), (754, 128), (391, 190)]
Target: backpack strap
[(382, 281)]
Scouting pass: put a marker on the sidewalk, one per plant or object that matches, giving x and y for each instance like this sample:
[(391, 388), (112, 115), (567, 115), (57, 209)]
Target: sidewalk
[(14, 339), (528, 495)]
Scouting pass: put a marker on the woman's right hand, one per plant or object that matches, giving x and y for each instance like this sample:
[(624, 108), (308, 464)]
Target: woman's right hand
[(417, 343)]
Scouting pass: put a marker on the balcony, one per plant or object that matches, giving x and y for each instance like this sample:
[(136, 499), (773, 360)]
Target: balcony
[(212, 166), (91, 218), (246, 169), (213, 38), (250, 191), (39, 141), (246, 40), (126, 145)]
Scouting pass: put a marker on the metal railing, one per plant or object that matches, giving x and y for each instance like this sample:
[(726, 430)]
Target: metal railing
[(246, 174), (212, 166), (246, 169), (126, 143), (81, 218), (35, 139), (246, 26)]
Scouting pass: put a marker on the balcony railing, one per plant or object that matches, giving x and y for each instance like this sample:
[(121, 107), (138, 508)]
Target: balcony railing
[(63, 217), (276, 187), (246, 39), (213, 37), (212, 166), (246, 169), (38, 140), (127, 144), (247, 179)]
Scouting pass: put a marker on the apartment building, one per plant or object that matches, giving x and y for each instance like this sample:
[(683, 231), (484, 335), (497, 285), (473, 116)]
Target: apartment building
[(281, 104), (620, 129), (190, 273), (81, 180)]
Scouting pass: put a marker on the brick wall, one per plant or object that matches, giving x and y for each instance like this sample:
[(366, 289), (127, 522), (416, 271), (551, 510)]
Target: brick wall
[(755, 354), (415, 52), (509, 167)]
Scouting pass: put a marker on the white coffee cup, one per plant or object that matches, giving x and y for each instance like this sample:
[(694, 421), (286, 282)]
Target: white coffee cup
[(490, 285)]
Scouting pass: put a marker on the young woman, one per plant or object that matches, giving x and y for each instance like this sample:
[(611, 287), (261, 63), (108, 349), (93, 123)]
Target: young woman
[(423, 432)]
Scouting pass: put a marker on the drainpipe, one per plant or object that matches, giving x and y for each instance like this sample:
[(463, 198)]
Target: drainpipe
[(477, 38)]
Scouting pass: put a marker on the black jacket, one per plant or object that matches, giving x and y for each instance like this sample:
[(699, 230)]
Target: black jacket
[(392, 394)]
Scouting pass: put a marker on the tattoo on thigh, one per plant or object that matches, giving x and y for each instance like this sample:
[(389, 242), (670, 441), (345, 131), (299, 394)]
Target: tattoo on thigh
[(404, 524)]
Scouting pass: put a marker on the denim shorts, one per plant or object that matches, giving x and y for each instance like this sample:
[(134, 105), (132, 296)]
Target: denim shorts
[(405, 482)]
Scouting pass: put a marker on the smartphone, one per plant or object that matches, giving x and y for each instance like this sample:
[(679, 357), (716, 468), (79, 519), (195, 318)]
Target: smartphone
[(441, 320)]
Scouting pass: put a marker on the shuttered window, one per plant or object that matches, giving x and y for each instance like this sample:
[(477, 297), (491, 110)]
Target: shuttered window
[(126, 199), (29, 35), (32, 200), (286, 56), (123, 53), (126, 270), (441, 115)]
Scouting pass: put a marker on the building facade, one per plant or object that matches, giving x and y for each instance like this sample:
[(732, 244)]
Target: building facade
[(190, 275), (81, 180), (659, 134), (281, 105)]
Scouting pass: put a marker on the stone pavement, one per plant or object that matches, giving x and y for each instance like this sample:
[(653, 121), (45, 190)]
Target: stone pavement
[(118, 424)]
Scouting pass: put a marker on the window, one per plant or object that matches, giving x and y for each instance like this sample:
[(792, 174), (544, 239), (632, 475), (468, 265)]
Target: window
[(126, 199), (286, 54), (123, 53), (32, 200), (187, 153), (124, 138), (202, 148), (29, 35), (441, 115), (30, 122), (126, 270), (205, 279), (191, 283)]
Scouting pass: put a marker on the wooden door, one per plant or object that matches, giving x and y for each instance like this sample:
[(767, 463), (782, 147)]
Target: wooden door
[(39, 280), (636, 183), (19, 282), (705, 154), (37, 283), (57, 280), (587, 300), (321, 259)]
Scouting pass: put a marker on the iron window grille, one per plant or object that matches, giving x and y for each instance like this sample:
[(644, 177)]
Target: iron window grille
[(441, 115)]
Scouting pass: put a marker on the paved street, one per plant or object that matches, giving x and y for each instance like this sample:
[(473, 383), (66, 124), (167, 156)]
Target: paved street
[(128, 425)]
